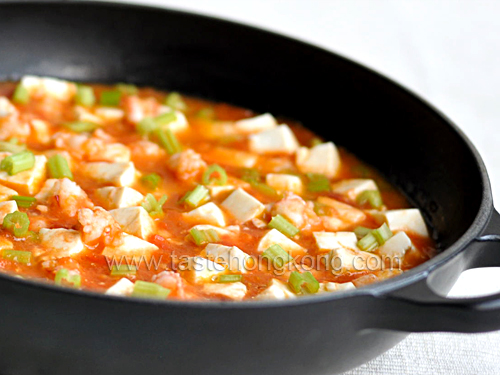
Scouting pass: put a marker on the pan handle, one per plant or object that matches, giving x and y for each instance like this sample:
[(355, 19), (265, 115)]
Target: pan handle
[(420, 309)]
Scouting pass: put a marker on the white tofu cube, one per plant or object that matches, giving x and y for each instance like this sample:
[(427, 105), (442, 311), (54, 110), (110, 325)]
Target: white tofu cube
[(395, 247), (6, 107), (118, 174), (276, 237), (40, 130), (255, 124), (323, 159), (119, 197), (227, 231), (336, 240), (336, 287), (235, 291), (209, 213), (129, 246), (124, 287), (277, 290), (235, 259), (109, 114), (410, 220), (242, 205), (279, 140), (352, 188), (6, 208), (198, 269), (179, 124), (216, 191), (27, 182), (83, 114), (53, 87), (343, 259), (285, 182), (134, 220), (6, 193), (108, 152), (60, 243)]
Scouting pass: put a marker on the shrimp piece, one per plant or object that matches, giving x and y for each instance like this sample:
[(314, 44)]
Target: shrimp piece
[(172, 281), (97, 224), (295, 209), (186, 164), (137, 109)]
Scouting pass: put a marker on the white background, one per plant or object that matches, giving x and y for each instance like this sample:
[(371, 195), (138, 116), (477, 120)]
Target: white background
[(447, 52)]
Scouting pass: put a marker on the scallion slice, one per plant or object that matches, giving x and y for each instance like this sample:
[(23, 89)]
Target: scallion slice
[(317, 183), (303, 282), (196, 196), (361, 232), (250, 175), (201, 237), (151, 180), (64, 277), (382, 234), (229, 278), (264, 188), (295, 281), (316, 141), (311, 284), (145, 289), (17, 223), (59, 167), (371, 197), (11, 147), (152, 206), (214, 174), (168, 141), (277, 256), (146, 126), (17, 255), (174, 100), (111, 98), (127, 89), (85, 96), (22, 161), (22, 201), (81, 126), (21, 95), (368, 242), (165, 119), (123, 270), (283, 225)]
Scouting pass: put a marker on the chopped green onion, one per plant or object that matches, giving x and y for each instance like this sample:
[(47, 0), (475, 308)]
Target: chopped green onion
[(250, 175), (59, 167), (145, 289), (206, 113), (361, 232), (165, 118), (306, 280), (11, 147), (168, 141), (154, 207), (111, 98), (123, 270), (17, 223), (295, 281), (372, 197), (316, 141), (174, 100), (17, 255), (127, 89), (63, 276), (22, 201), (85, 96), (201, 237), (368, 242), (311, 284), (21, 95), (195, 197), (382, 234), (264, 188), (22, 161), (214, 174), (81, 126), (151, 180), (283, 225), (155, 124), (277, 256), (317, 183), (229, 278)]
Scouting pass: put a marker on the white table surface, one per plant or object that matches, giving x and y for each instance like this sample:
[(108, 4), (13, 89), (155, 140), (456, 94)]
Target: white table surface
[(448, 52)]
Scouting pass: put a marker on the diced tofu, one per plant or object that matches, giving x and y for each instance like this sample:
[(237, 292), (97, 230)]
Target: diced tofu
[(6, 193), (215, 190), (236, 291), (27, 182), (53, 87), (343, 259), (352, 188), (109, 113), (40, 130), (231, 157), (179, 124), (256, 124), (276, 237), (378, 216), (124, 287), (274, 141), (277, 290), (233, 257), (242, 205), (209, 213), (129, 246), (119, 197), (60, 243), (395, 247), (134, 220), (337, 240), (118, 174), (6, 208), (227, 231), (284, 182), (343, 216), (198, 269), (323, 159), (410, 220), (336, 287), (6, 107), (97, 150), (83, 114)]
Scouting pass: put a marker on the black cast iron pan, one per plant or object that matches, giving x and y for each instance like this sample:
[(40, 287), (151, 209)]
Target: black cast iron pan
[(47, 330)]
